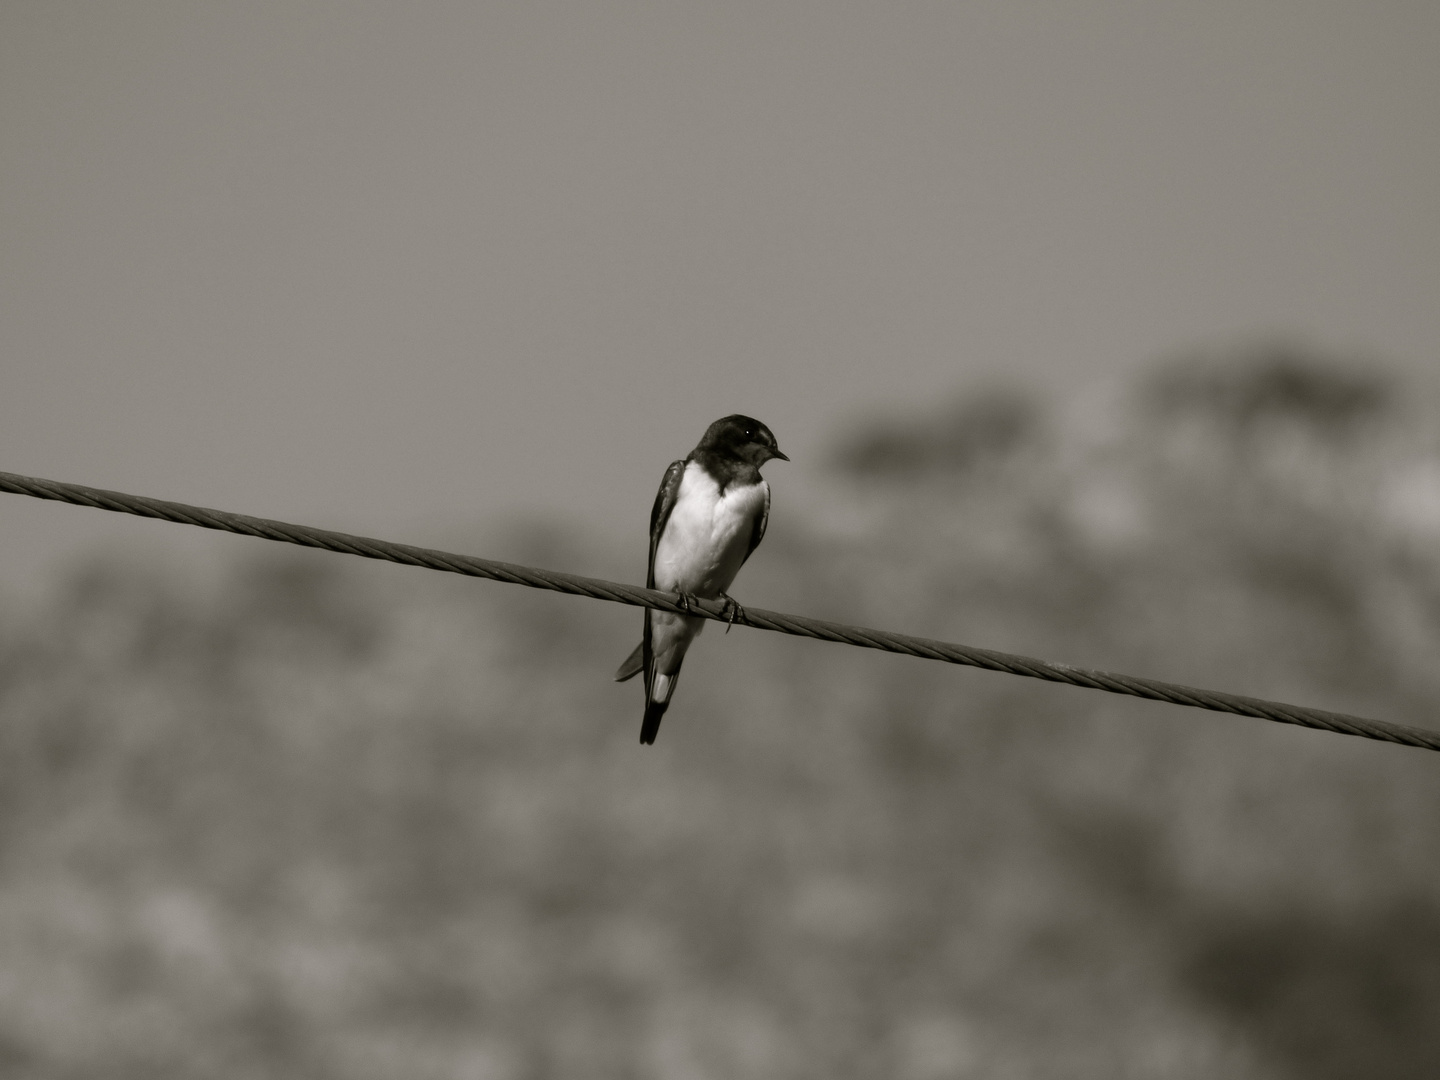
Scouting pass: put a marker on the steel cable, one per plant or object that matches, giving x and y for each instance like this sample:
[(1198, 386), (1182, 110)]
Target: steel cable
[(574, 584)]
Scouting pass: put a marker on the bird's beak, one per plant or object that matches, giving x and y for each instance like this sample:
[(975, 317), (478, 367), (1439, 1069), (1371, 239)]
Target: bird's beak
[(776, 453)]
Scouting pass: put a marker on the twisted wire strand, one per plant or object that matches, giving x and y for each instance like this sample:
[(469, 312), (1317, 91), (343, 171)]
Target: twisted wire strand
[(760, 619)]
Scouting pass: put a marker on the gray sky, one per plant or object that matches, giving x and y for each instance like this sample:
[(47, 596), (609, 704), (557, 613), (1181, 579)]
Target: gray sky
[(407, 269)]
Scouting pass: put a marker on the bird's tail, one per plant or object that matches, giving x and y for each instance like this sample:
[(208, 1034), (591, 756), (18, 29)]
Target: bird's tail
[(656, 702), (650, 726), (633, 665)]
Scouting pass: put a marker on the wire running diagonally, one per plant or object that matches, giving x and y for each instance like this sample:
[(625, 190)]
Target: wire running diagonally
[(800, 626)]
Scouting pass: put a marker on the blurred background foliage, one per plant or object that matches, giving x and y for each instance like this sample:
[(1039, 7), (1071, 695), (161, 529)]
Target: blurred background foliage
[(337, 819)]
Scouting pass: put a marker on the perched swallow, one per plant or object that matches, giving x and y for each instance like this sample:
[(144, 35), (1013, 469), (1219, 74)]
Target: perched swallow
[(709, 516)]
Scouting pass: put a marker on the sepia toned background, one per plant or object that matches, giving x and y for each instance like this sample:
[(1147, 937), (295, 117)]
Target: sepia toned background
[(1100, 332)]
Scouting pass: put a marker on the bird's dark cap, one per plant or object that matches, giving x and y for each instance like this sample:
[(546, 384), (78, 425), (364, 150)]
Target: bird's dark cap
[(743, 437)]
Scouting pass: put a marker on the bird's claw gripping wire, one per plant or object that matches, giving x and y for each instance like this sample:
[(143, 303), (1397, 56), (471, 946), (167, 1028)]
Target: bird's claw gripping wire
[(732, 611)]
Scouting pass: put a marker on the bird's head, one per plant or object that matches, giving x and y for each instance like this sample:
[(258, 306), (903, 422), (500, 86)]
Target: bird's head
[(742, 438)]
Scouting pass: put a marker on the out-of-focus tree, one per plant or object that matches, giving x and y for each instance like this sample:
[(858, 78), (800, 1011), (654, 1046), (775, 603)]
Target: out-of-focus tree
[(346, 820)]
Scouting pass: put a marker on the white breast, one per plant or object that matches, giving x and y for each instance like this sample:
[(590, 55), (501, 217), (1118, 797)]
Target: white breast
[(708, 534)]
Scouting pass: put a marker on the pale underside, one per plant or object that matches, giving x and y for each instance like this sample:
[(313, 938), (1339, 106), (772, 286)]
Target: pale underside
[(700, 551)]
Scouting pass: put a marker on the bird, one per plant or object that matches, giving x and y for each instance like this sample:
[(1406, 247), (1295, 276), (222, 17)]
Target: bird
[(709, 516)]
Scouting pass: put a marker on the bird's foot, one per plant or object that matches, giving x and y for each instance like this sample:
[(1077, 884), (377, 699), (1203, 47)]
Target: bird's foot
[(732, 611), (688, 602)]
